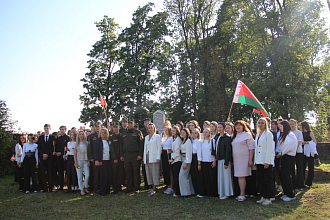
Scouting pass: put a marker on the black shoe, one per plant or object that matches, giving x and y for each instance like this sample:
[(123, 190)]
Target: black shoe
[(128, 191)]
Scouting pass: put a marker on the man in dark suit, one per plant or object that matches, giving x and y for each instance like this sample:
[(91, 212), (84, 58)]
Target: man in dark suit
[(93, 177), (46, 151), (61, 143)]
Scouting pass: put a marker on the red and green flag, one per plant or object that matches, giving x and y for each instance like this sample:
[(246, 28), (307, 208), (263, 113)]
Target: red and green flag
[(103, 102), (260, 112), (67, 149), (244, 95), (169, 151), (12, 159)]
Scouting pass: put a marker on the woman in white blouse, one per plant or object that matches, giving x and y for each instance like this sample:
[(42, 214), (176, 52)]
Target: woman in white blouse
[(196, 175), (19, 175), (175, 160), (185, 183), (71, 172), (151, 157), (287, 148), (166, 143), (30, 163), (81, 161), (264, 155), (207, 163)]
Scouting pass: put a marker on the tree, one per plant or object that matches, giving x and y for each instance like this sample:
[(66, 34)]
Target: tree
[(142, 48), (104, 57), (6, 139)]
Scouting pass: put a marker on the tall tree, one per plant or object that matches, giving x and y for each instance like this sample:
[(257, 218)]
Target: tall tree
[(6, 139), (143, 44), (104, 57)]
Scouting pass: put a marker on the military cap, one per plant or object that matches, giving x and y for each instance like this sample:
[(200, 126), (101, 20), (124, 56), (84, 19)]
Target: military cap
[(116, 124)]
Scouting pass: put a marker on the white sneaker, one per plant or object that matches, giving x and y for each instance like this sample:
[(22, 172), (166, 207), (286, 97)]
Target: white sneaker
[(41, 191), (27, 191), (223, 197), (266, 202), (283, 197), (272, 199), (35, 191), (151, 191), (200, 196), (288, 199), (261, 200), (175, 195), (167, 191)]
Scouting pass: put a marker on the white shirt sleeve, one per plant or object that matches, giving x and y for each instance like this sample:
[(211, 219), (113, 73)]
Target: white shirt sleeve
[(188, 151), (23, 153), (270, 152), (159, 147), (36, 155)]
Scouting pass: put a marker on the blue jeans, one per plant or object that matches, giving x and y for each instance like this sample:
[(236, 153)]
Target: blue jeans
[(83, 167)]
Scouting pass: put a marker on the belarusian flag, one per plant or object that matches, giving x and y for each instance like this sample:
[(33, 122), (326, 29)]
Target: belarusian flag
[(244, 95), (260, 112), (67, 149), (12, 159), (103, 102), (169, 151)]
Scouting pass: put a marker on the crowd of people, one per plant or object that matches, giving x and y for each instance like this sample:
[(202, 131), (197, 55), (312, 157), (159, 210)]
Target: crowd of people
[(220, 159)]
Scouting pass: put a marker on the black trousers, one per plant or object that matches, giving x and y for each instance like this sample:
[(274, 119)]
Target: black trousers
[(210, 179), (118, 174), (287, 164), (166, 168), (71, 172), (93, 177), (309, 161), (175, 172), (47, 174), (298, 177), (251, 184), (29, 169), (105, 176), (59, 171), (197, 177), (132, 171), (266, 180), (19, 176)]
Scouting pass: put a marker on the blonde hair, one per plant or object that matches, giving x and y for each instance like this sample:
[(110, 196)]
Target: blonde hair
[(153, 125), (266, 125), (78, 140), (106, 131), (198, 133), (209, 138)]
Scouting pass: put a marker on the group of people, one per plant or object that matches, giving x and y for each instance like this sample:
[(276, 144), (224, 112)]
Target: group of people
[(220, 159)]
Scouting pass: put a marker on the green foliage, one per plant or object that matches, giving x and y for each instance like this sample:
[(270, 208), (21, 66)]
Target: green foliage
[(193, 53), (6, 139)]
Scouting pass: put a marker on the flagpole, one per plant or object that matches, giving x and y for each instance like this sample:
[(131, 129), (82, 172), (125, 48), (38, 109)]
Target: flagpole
[(228, 119)]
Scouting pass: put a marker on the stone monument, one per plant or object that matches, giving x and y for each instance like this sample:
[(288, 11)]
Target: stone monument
[(158, 120)]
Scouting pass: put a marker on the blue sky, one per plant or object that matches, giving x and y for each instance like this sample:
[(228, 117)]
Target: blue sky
[(43, 47)]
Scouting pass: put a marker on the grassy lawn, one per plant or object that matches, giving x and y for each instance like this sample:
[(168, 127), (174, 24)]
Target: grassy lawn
[(310, 204)]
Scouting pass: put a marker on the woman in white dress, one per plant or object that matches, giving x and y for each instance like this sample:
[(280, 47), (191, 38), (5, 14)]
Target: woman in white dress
[(186, 186)]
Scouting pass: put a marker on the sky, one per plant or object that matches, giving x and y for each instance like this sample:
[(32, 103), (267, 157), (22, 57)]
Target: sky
[(43, 55)]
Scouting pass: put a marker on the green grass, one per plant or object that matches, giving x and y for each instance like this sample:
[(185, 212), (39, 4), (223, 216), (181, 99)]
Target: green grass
[(310, 204)]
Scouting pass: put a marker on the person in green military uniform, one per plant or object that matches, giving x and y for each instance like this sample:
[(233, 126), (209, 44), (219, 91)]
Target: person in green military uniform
[(118, 169), (124, 125), (93, 176), (132, 151)]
